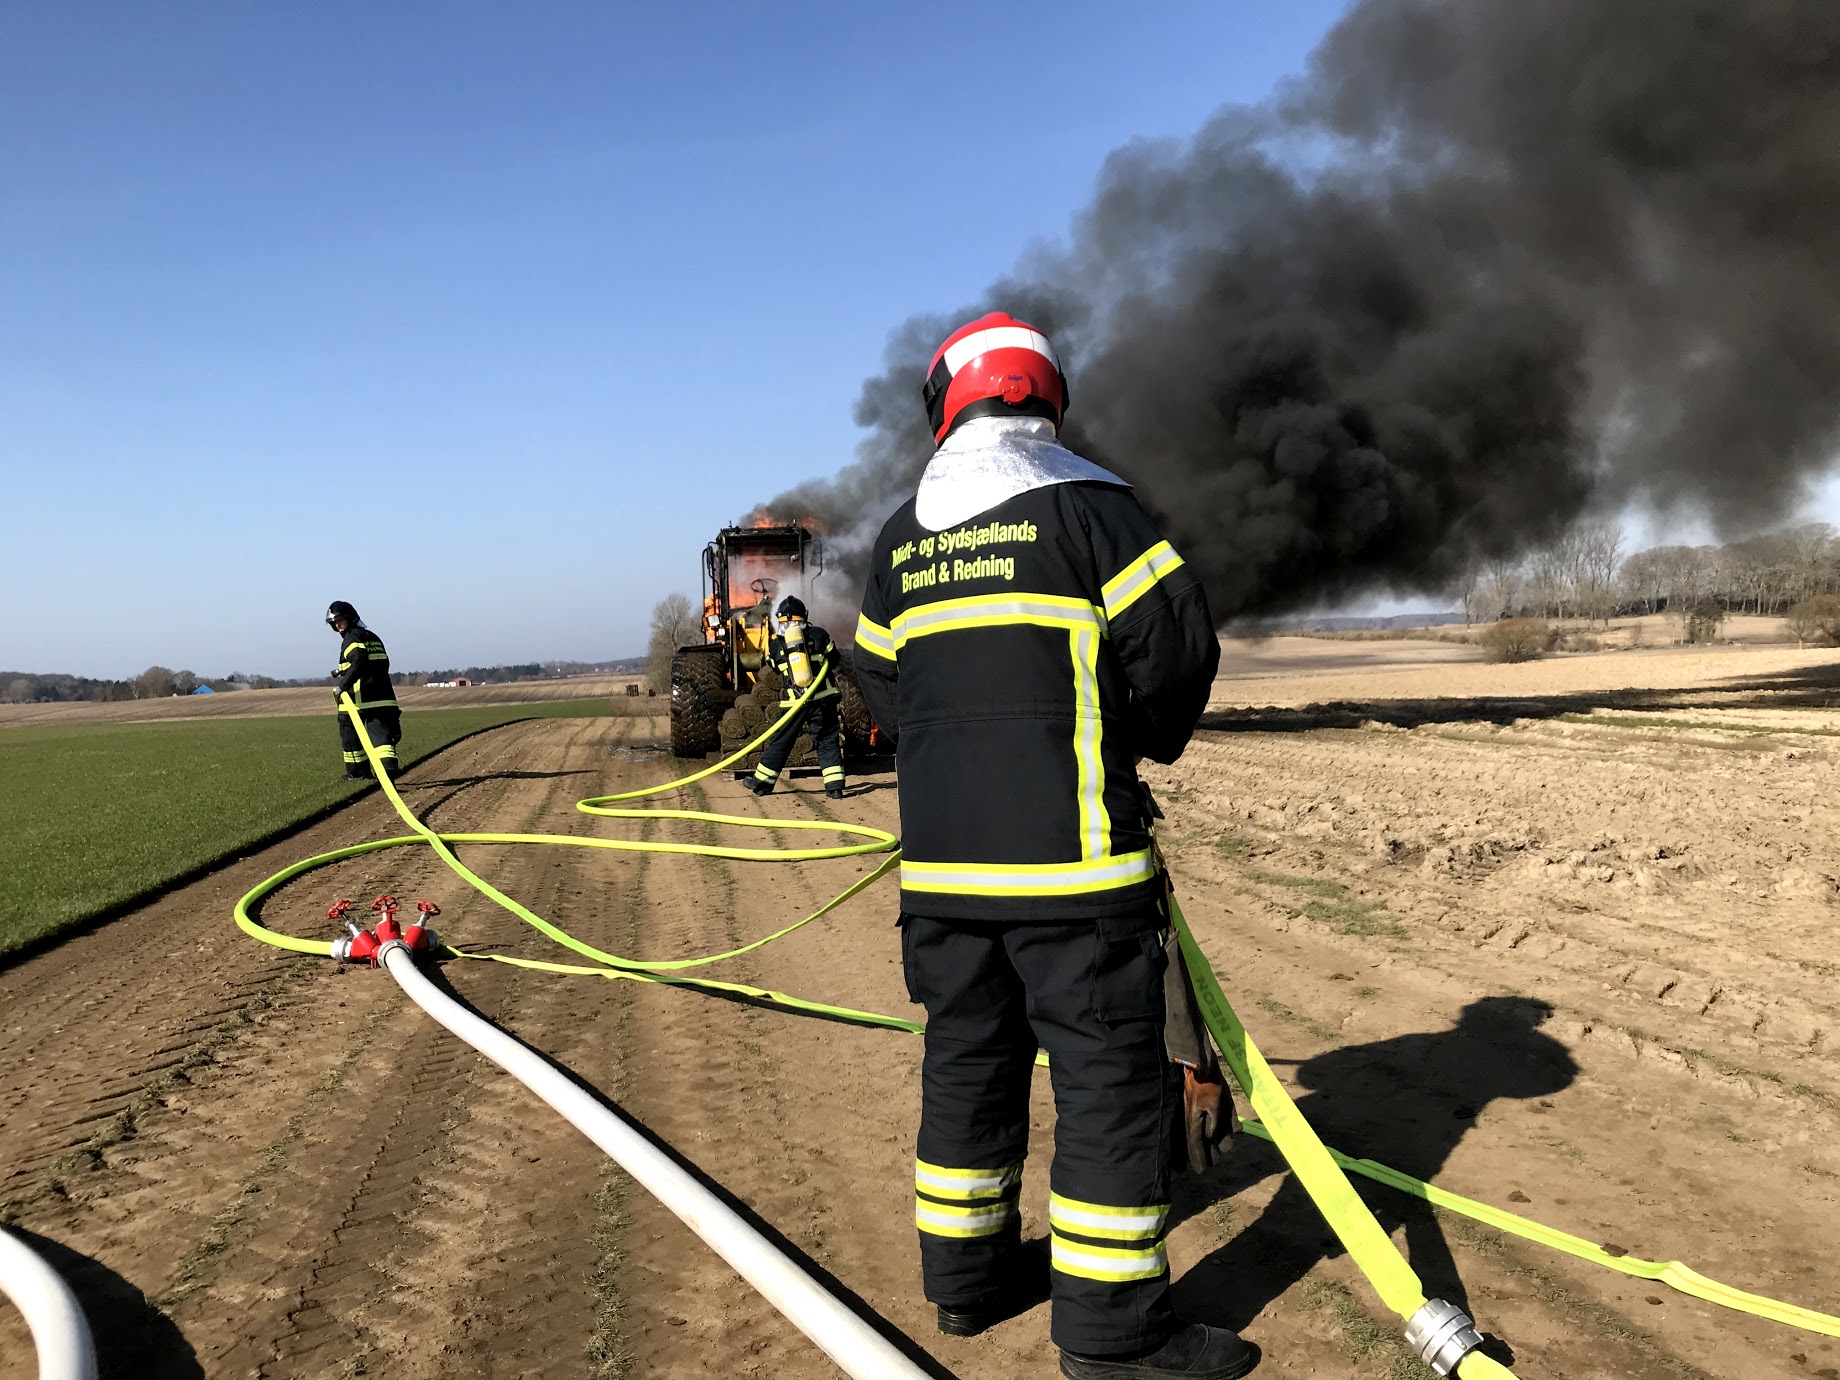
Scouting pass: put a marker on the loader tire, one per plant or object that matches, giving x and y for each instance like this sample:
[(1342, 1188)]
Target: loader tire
[(698, 699), (852, 708)]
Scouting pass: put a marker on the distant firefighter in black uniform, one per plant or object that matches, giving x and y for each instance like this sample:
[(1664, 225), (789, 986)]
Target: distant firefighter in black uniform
[(364, 674), (797, 651), (1029, 636)]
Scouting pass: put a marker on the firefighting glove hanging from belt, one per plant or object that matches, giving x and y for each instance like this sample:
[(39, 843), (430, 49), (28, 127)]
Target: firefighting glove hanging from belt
[(1204, 1114)]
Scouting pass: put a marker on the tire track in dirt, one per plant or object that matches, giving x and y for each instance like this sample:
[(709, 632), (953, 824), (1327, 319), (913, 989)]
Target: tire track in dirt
[(378, 1174), (339, 1188), (1638, 1150), (150, 1195)]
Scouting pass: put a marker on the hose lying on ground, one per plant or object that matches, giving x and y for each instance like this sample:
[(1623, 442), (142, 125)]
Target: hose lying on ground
[(849, 1341), (1442, 1337), (60, 1333)]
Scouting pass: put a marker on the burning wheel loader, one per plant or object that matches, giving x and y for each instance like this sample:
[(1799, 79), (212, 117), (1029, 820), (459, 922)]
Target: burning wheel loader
[(723, 691)]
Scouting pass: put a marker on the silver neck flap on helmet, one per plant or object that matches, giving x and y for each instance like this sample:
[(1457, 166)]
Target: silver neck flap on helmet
[(990, 460)]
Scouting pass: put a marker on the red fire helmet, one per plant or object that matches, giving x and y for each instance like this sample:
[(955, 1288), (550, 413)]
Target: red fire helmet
[(993, 366)]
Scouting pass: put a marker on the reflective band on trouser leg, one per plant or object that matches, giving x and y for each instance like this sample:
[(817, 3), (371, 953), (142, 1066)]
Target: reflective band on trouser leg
[(1109, 1264), (1107, 1223), (962, 1219), (833, 774), (964, 1202), (965, 1185), (765, 773), (1079, 1228), (354, 759)]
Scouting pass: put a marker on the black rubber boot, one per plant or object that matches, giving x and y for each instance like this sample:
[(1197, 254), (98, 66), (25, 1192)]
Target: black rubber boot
[(980, 1315), (970, 1319), (757, 786), (1196, 1352), (834, 792)]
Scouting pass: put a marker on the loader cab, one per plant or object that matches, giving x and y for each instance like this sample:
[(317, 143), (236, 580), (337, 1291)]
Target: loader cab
[(716, 704), (744, 570)]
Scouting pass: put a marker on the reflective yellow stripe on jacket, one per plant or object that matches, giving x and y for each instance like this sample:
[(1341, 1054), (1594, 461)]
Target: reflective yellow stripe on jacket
[(1085, 624), (874, 638), (1136, 579), (1028, 879)]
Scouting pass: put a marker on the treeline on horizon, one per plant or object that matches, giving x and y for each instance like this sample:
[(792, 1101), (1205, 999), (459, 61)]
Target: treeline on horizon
[(1586, 575), (158, 682)]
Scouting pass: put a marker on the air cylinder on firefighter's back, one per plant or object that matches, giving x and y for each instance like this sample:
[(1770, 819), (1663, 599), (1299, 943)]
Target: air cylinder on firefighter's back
[(796, 656)]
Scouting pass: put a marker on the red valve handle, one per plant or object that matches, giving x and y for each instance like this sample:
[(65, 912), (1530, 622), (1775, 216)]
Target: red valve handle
[(427, 907), (387, 904), (338, 909)]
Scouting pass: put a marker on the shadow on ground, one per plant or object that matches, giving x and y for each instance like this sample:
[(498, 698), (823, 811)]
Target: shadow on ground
[(1407, 1102), (1805, 687), (134, 1339), (496, 776)]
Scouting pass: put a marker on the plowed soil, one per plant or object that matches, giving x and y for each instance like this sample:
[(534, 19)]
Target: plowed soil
[(1576, 964)]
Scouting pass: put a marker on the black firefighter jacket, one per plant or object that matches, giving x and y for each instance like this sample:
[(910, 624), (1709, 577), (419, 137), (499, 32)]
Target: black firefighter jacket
[(364, 669), (1023, 660), (818, 650)]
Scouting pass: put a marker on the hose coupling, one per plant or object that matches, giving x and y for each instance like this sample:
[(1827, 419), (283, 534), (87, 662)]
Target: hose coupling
[(419, 937), (1442, 1334), (360, 946)]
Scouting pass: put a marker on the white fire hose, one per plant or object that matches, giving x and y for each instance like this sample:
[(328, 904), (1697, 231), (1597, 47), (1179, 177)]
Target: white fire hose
[(59, 1330), (859, 1349)]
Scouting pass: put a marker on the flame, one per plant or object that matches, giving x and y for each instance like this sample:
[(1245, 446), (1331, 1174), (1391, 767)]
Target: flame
[(761, 517)]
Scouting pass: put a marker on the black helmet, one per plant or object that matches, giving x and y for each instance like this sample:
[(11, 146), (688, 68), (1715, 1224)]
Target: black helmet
[(792, 607), (338, 609)]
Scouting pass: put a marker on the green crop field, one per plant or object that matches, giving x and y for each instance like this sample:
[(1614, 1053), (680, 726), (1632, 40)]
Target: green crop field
[(95, 817)]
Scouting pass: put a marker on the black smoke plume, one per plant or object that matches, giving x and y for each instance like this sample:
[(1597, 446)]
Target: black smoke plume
[(1487, 267)]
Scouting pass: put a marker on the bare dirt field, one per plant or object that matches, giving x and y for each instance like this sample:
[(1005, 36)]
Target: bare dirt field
[(294, 701), (1558, 936)]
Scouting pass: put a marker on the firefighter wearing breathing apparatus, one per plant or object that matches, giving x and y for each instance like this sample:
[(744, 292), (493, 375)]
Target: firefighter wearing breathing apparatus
[(1028, 635), (364, 674), (797, 651)]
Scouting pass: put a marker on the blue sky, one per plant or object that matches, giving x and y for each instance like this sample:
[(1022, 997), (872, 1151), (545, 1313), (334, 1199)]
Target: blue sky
[(485, 317)]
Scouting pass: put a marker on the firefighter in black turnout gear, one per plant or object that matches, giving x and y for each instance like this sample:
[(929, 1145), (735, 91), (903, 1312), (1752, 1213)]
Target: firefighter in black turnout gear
[(364, 674), (1028, 636), (797, 651)]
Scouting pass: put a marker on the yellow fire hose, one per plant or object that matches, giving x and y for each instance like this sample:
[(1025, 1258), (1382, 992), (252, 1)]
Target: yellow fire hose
[(1317, 1167)]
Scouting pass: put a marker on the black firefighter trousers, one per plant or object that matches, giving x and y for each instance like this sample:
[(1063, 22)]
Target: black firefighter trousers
[(821, 721), (384, 724), (1091, 994)]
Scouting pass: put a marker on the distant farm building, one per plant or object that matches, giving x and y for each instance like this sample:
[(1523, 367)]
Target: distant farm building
[(204, 690), (455, 683)]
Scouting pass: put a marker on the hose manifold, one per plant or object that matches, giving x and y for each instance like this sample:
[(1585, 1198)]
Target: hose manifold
[(1442, 1334)]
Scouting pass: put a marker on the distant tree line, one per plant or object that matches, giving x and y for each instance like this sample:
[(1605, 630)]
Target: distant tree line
[(529, 670), (1585, 575), (159, 682), (156, 682)]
